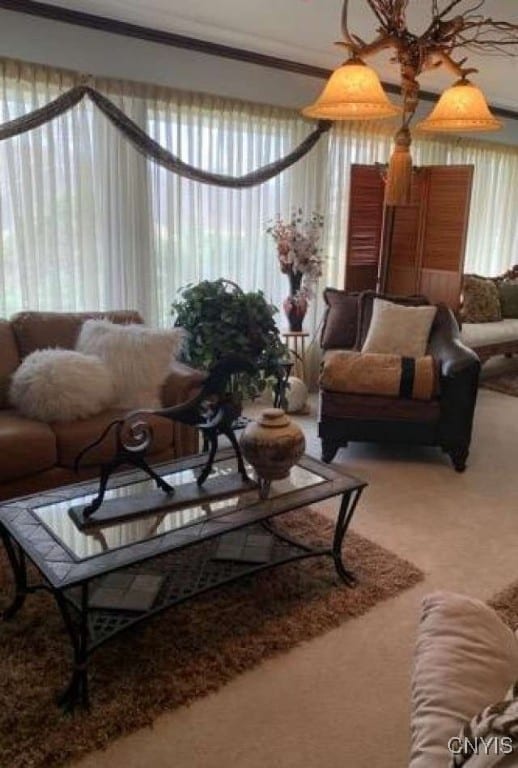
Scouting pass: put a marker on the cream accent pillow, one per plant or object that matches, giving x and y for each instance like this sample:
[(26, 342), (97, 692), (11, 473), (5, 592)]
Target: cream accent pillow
[(465, 658), (137, 357), (399, 330), (61, 385)]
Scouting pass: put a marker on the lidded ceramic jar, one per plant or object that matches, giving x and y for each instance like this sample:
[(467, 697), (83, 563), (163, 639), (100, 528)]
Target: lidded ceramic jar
[(272, 445)]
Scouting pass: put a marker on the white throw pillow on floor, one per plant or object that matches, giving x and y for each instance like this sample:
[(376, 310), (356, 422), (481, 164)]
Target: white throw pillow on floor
[(137, 357), (61, 385)]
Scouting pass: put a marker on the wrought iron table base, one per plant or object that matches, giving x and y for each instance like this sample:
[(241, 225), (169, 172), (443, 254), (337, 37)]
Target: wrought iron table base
[(89, 628)]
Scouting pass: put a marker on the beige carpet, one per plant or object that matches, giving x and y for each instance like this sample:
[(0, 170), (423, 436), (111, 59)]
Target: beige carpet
[(183, 654)]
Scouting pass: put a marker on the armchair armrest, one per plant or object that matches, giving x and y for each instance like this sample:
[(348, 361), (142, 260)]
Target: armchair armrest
[(446, 346), (182, 384), (460, 369)]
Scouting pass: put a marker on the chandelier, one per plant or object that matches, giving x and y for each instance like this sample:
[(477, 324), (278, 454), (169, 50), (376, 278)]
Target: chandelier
[(354, 91)]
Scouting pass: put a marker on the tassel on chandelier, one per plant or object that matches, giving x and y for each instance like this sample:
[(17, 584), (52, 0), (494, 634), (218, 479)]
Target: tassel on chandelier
[(398, 184)]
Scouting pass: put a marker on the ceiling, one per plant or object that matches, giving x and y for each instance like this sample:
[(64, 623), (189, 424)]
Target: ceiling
[(304, 31)]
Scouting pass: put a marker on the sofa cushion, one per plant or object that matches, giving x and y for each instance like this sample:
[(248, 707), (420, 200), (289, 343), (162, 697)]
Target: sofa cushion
[(399, 330), (73, 436), (341, 319), (9, 359), (508, 294), (61, 385), (481, 302), (465, 658), (26, 446), (476, 335), (38, 330)]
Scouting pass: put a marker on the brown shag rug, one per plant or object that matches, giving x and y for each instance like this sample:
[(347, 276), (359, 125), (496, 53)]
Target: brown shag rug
[(503, 382), (185, 653), (505, 604)]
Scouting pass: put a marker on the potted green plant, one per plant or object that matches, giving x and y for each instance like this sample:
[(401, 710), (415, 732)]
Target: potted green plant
[(220, 319)]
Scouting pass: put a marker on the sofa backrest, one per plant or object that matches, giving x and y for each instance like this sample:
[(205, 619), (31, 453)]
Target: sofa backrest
[(38, 330), (9, 359)]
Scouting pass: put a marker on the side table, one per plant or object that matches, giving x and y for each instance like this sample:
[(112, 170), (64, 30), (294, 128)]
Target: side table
[(296, 343)]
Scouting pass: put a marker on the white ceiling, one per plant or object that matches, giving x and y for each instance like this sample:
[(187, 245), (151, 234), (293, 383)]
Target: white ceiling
[(304, 31)]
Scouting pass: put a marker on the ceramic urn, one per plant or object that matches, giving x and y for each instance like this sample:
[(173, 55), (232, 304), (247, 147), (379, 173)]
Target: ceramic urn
[(272, 445)]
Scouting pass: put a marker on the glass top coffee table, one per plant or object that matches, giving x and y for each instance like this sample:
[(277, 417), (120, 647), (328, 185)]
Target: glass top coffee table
[(111, 576)]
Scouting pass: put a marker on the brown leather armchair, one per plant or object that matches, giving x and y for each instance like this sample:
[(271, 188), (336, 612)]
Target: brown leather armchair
[(445, 420)]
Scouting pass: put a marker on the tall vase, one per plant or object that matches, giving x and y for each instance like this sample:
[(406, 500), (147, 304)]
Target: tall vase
[(295, 305)]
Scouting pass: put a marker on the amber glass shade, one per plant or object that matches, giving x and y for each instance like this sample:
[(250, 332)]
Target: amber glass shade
[(462, 107), (353, 92)]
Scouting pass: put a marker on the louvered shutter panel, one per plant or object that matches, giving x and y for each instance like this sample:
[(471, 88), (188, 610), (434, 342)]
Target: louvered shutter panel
[(423, 243), (444, 233), (364, 228)]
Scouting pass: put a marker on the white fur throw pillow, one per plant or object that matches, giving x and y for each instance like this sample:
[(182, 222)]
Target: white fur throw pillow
[(138, 358), (61, 385)]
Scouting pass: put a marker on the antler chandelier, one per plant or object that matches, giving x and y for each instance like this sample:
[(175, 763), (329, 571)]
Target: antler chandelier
[(354, 91)]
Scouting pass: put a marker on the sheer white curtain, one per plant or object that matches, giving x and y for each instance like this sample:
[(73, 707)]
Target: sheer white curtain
[(73, 203), (87, 223), (206, 232)]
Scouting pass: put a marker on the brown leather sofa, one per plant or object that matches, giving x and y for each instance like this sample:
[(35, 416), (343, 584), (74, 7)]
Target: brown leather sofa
[(445, 421), (35, 456)]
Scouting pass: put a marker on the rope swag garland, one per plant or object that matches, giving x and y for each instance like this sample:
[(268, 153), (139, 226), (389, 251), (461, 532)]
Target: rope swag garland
[(150, 148)]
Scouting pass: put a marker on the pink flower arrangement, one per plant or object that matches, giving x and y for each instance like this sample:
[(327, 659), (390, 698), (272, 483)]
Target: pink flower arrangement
[(298, 252)]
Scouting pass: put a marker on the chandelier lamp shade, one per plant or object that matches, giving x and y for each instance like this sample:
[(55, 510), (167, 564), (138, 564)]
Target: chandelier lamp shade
[(461, 108), (354, 90)]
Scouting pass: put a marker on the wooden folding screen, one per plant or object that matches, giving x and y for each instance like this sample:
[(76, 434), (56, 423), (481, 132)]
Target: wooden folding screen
[(411, 249)]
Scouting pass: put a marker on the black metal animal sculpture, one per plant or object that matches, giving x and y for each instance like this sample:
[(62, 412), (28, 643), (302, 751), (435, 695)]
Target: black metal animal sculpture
[(211, 410)]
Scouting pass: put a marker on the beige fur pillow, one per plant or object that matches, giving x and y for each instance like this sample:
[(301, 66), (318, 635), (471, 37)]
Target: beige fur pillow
[(399, 330), (61, 385), (137, 357)]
